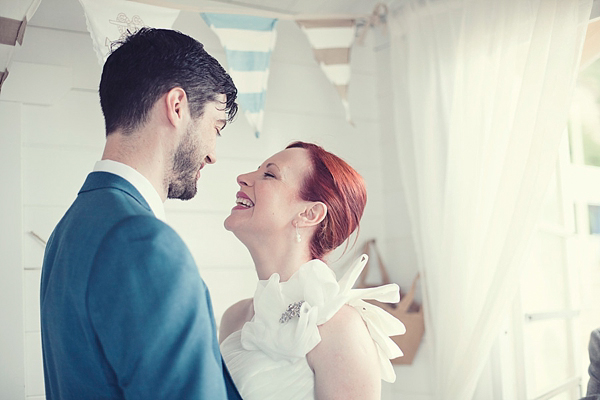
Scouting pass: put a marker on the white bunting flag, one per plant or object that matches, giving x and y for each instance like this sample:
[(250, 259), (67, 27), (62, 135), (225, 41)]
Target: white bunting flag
[(111, 20)]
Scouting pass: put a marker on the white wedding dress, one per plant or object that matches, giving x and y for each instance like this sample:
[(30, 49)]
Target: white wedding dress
[(267, 357)]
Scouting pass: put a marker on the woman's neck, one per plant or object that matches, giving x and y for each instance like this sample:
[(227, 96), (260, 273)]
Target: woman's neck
[(284, 260)]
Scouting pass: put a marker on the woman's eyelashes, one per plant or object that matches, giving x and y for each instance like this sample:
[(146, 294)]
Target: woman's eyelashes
[(267, 173)]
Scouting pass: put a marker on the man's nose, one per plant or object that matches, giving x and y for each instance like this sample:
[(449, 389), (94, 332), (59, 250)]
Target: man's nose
[(210, 158)]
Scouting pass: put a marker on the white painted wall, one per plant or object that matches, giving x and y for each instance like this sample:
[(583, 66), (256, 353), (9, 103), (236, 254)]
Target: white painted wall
[(52, 133), (11, 274)]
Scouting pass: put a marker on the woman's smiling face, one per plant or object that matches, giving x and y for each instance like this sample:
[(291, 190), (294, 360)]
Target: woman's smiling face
[(269, 199)]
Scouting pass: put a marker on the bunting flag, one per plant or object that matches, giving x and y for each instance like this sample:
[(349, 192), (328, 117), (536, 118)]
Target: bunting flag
[(111, 20), (14, 16), (331, 41), (248, 43)]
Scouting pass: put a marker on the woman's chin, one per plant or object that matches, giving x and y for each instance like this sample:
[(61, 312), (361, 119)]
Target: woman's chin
[(232, 224), (229, 225)]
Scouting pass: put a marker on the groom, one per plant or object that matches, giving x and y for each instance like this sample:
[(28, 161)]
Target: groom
[(124, 312)]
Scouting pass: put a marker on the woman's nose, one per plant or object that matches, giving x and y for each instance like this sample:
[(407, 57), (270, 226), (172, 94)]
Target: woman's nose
[(244, 180)]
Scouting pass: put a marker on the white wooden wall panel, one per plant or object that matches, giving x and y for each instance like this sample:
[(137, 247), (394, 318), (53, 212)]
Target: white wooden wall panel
[(286, 126), (31, 298), (53, 176), (211, 245), (41, 220), (229, 285), (415, 379), (36, 83), (238, 142), (34, 372), (12, 364), (62, 48), (74, 120), (312, 93), (69, 18), (292, 47), (362, 95), (359, 146)]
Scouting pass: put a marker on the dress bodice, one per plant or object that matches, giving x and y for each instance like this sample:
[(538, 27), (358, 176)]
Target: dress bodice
[(267, 357)]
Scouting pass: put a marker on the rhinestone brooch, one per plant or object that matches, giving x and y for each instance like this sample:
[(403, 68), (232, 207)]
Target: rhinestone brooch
[(292, 311)]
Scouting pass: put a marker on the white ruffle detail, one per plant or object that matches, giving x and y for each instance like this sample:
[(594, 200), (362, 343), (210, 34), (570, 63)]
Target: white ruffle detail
[(315, 283)]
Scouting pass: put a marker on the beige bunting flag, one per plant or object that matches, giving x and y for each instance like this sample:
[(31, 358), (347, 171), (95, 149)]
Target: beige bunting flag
[(331, 41), (14, 16)]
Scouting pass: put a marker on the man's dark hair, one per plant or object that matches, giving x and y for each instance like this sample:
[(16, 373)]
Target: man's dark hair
[(149, 63)]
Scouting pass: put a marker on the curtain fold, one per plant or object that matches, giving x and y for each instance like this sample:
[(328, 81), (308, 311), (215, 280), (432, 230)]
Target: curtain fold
[(481, 94)]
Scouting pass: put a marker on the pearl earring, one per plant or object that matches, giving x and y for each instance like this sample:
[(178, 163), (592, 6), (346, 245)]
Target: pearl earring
[(298, 237)]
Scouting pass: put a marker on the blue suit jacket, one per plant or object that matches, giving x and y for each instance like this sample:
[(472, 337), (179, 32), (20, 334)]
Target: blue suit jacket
[(593, 388), (124, 312)]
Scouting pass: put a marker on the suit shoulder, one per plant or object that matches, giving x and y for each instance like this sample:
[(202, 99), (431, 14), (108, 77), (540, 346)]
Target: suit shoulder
[(147, 243), (594, 345), (143, 227)]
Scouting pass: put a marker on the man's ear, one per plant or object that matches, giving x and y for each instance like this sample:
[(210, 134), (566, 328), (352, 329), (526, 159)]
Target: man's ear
[(177, 108), (314, 214)]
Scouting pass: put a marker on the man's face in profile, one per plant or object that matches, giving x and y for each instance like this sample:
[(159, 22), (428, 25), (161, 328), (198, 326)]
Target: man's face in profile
[(196, 149)]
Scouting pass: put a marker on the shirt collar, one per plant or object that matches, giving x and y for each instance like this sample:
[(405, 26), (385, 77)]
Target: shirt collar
[(139, 181)]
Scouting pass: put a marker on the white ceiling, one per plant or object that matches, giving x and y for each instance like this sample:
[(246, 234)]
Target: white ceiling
[(68, 14)]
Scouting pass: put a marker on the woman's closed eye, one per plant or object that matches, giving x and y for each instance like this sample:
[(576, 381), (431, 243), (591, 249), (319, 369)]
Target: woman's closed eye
[(268, 175)]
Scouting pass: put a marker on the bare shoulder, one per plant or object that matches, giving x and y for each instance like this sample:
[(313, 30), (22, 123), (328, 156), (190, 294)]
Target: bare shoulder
[(346, 330), (235, 317), (346, 362)]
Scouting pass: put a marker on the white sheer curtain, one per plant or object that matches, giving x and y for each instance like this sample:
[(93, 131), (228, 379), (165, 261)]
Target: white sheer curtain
[(481, 94)]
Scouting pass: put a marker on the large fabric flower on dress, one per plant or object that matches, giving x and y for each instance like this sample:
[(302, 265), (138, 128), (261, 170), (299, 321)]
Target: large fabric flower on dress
[(322, 295)]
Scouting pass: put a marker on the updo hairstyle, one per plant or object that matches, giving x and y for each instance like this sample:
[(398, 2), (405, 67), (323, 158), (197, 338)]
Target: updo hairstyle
[(335, 183)]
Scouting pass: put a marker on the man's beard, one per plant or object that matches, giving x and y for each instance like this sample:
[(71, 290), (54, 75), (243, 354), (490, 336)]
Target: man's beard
[(183, 182)]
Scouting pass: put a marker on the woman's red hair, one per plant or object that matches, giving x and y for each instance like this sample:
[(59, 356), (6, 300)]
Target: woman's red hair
[(335, 183)]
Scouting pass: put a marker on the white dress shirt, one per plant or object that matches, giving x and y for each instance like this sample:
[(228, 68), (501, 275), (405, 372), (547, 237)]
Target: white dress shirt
[(139, 181)]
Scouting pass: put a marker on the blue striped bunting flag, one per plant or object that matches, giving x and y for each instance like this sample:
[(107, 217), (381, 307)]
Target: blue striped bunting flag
[(248, 43)]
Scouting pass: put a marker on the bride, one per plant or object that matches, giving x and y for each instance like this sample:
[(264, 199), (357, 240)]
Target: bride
[(304, 334)]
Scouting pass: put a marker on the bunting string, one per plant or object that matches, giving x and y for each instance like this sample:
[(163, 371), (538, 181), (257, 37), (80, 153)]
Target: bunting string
[(248, 37)]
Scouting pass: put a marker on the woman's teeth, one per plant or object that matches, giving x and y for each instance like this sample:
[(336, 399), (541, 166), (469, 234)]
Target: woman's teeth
[(244, 202)]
